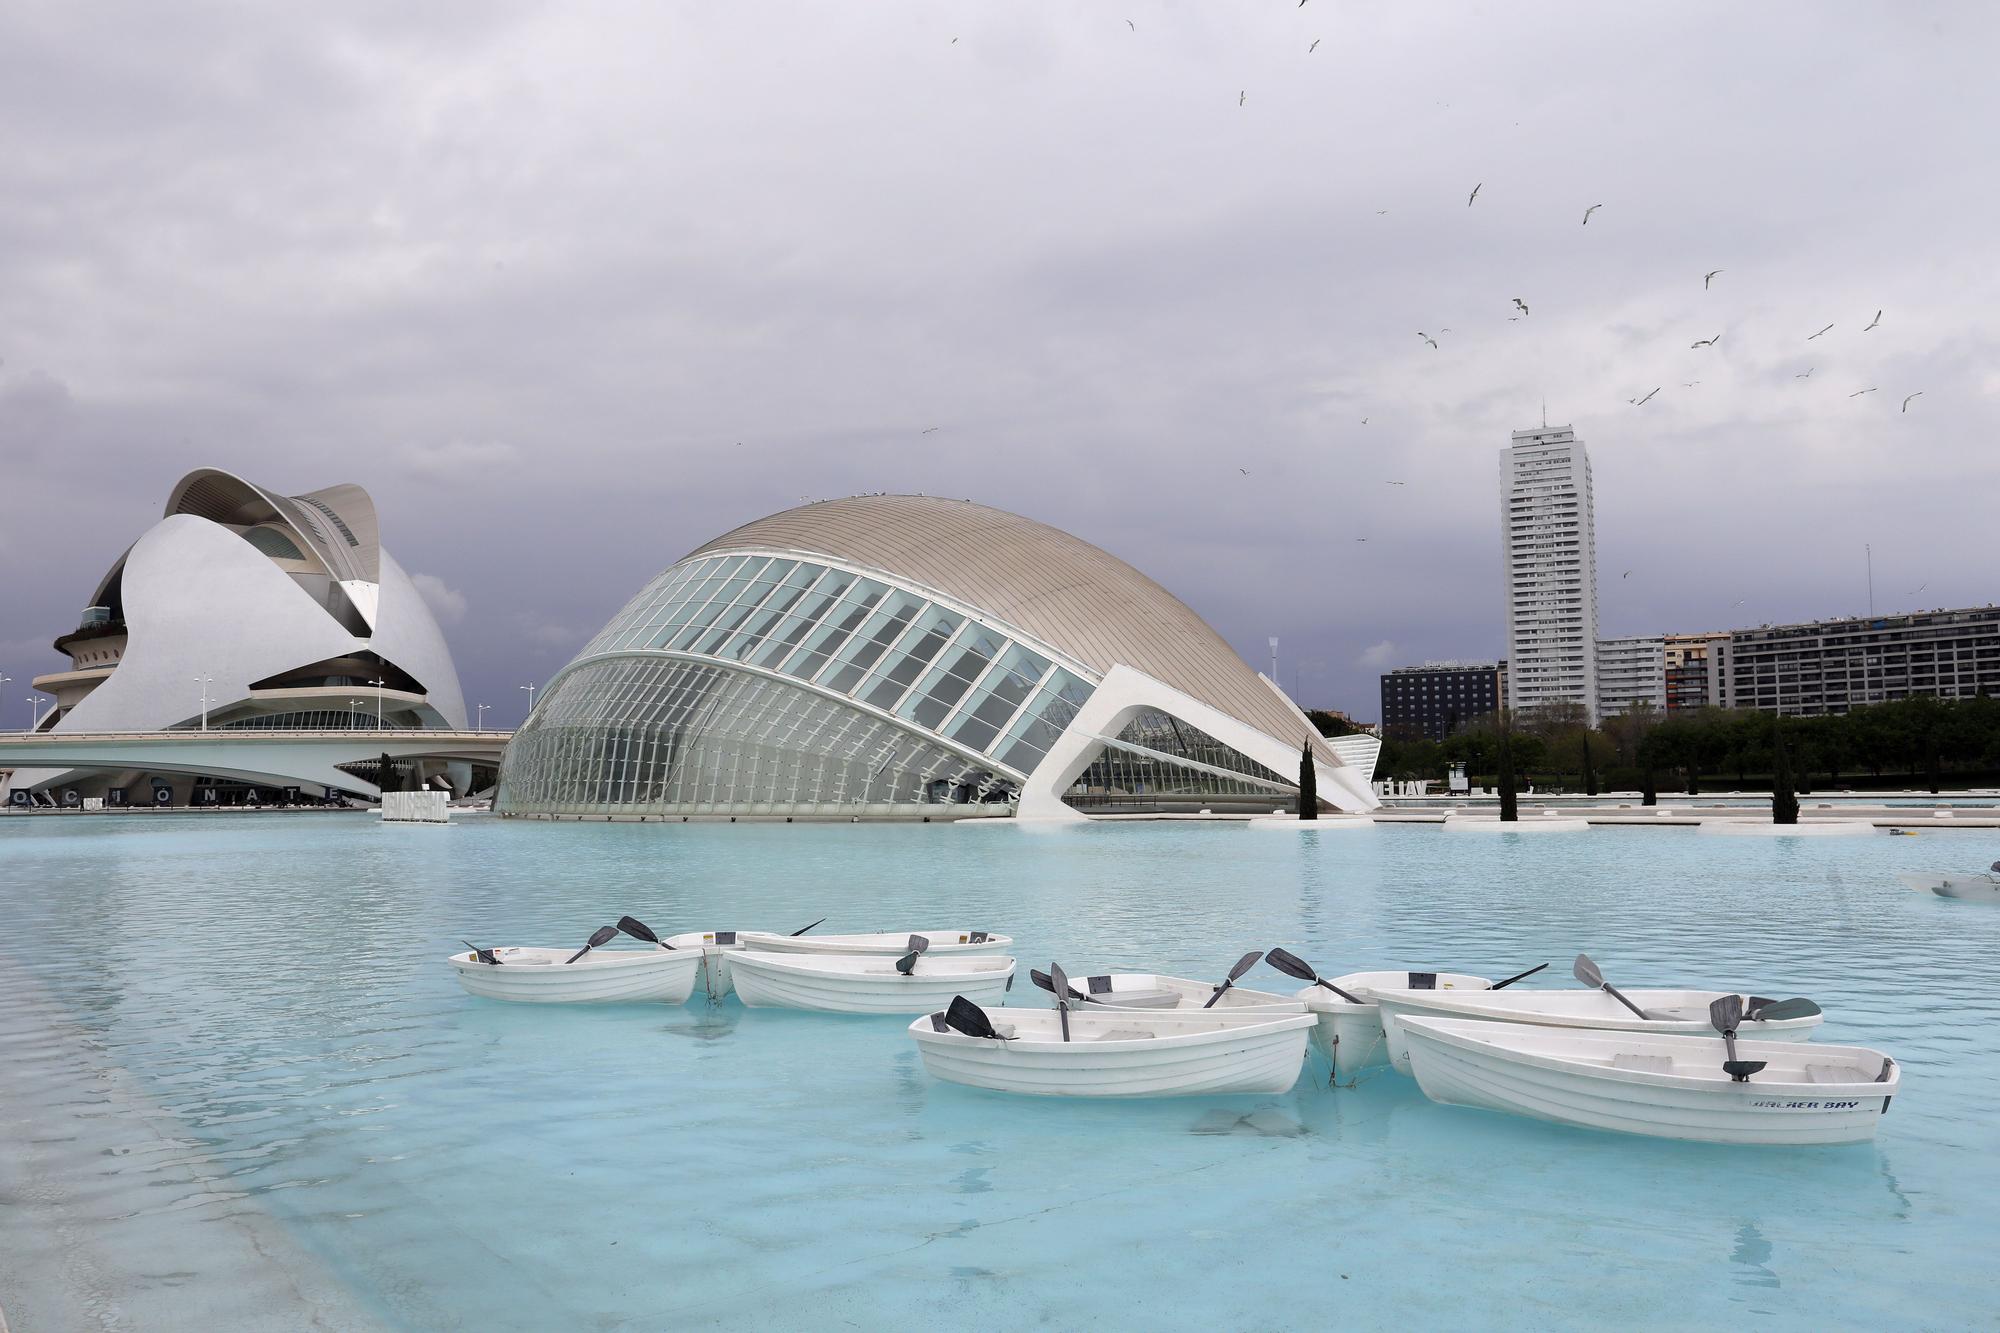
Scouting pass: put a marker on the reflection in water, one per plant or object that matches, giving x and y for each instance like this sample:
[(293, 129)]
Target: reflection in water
[(1753, 1252)]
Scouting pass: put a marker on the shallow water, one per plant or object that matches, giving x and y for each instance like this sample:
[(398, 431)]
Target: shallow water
[(272, 989)]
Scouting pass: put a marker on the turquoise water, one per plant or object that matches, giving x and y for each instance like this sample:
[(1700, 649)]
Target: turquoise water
[(272, 987)]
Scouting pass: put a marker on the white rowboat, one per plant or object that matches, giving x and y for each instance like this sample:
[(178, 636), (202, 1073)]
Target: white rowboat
[(1149, 990), (1574, 1009), (862, 984), (892, 944), (602, 976), (1667, 1087), (1350, 1035), (716, 946), (1125, 1053), (1982, 887)]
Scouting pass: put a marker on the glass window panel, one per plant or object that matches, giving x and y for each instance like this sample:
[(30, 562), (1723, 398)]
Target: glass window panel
[(849, 667), (932, 631), (796, 626), (760, 625), (841, 622)]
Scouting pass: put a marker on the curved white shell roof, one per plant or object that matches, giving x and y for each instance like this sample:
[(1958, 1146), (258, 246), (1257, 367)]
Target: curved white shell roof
[(1054, 587)]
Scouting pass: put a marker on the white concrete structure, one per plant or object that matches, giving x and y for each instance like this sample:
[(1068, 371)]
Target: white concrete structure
[(1631, 672), (243, 610), (1548, 554), (903, 656)]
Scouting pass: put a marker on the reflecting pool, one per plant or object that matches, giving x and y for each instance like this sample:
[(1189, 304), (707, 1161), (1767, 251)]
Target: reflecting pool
[(243, 1086)]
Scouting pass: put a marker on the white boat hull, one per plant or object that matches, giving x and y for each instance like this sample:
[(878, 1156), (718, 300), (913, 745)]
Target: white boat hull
[(1183, 1055), (1569, 1009), (866, 985), (713, 978), (1350, 1036), (1661, 1086), (885, 944), (540, 976)]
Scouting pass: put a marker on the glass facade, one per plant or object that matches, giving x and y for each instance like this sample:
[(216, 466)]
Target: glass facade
[(660, 715), (1153, 764)]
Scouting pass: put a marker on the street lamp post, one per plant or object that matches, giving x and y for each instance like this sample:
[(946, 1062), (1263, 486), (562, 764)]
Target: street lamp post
[(531, 697), (204, 682), (479, 725), (377, 683), (34, 713), (353, 718), (5, 679)]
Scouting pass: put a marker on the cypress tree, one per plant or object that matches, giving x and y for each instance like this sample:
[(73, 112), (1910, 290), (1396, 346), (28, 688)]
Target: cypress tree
[(1649, 791), (1784, 804), (1308, 784), (1509, 811), (1589, 773)]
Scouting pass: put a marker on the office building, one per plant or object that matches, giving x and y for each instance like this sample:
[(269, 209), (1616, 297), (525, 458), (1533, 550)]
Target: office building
[(1548, 548), (1631, 673), (1831, 666), (1433, 700)]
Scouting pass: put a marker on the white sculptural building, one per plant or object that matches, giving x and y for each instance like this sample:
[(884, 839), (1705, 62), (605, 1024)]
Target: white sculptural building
[(245, 611), (903, 656)]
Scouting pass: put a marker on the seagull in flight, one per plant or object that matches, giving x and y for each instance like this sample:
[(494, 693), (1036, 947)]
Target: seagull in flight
[(1817, 334), (1906, 407), (1641, 402), (1709, 277), (1878, 320), (1427, 338), (928, 429), (1706, 342), (1240, 95), (1626, 575), (1588, 211), (1395, 483), (1314, 47), (1244, 470), (1130, 24), (1807, 375), (1364, 421), (1523, 304), (1475, 193), (1858, 392), (1689, 384)]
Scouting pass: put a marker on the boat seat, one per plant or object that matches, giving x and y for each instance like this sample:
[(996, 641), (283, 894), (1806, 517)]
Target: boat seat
[(1649, 1064), (1836, 1074), (1140, 999), (1124, 1034)]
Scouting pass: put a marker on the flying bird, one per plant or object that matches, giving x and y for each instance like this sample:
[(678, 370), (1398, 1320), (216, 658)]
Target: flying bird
[(1737, 602), (1858, 392), (1689, 384), (1427, 338), (1364, 421), (1314, 47), (1626, 575), (1807, 375), (928, 429), (1130, 24), (1906, 407), (1920, 588), (1588, 211), (1817, 334), (1641, 402), (1475, 193), (1878, 320), (1708, 277), (1523, 304), (1244, 470), (1395, 483), (1706, 342)]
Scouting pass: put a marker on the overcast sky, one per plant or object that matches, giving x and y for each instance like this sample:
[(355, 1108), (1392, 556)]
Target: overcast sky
[(571, 289)]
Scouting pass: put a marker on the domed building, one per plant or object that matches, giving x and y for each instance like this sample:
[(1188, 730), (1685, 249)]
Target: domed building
[(902, 656), (240, 611)]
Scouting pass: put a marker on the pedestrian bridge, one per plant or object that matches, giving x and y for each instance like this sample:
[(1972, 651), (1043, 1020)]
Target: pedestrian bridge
[(268, 758)]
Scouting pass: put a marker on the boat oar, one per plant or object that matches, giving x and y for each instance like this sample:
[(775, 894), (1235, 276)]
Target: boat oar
[(1772, 1011), (1059, 987), (1243, 964), (1294, 966), (639, 930), (483, 955), (602, 935), (1586, 972), (1041, 978), (963, 1015), (907, 964), (1725, 1014), (1518, 976), (803, 929)]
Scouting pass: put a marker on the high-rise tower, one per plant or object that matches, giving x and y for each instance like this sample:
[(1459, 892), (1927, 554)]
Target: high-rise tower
[(1548, 553)]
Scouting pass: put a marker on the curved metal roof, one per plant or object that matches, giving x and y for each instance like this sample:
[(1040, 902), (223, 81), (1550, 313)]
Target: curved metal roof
[(337, 522), (1055, 587)]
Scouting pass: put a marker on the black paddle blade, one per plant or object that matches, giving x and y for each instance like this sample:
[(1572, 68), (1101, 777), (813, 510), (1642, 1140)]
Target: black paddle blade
[(639, 930), (483, 955), (1245, 963), (963, 1015), (1741, 1070), (602, 935), (803, 929), (1518, 976), (907, 964), (1586, 972), (1776, 1010), (1041, 978), (1726, 1014), (1061, 984), (1291, 965)]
